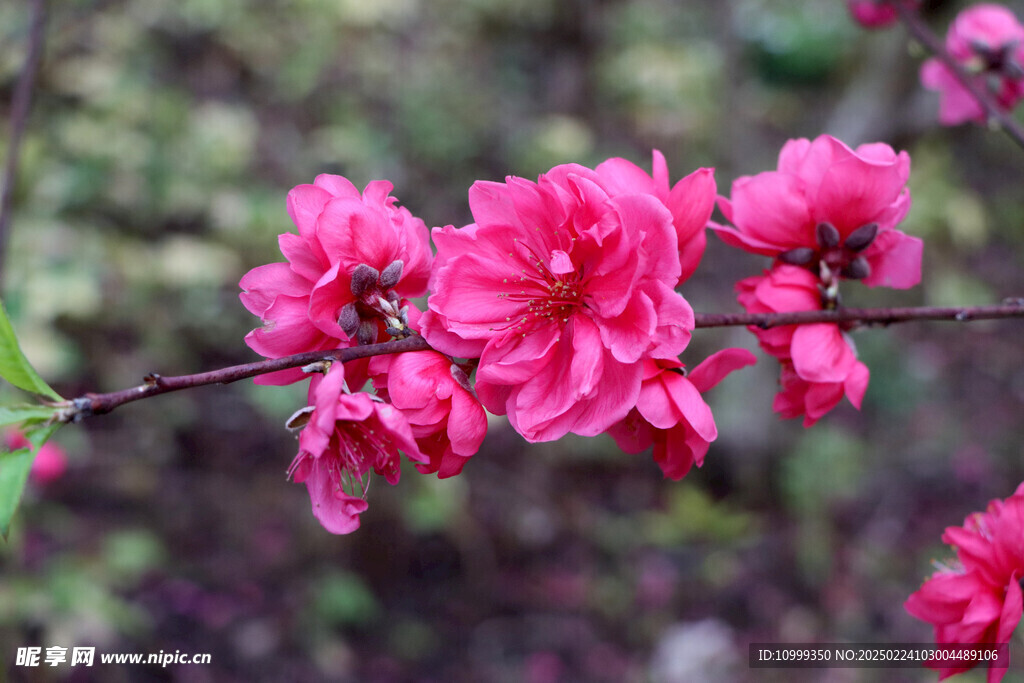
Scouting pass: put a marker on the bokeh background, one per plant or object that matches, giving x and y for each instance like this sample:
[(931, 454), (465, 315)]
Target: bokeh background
[(163, 139)]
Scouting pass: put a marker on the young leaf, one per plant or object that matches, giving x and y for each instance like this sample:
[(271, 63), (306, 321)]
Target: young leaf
[(14, 469), (21, 413), (14, 367)]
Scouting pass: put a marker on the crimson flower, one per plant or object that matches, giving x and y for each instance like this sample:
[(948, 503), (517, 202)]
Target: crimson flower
[(434, 395), (356, 256), (819, 365), (344, 439), (978, 599), (690, 201), (50, 462), (830, 209), (671, 414), (988, 41), (874, 13), (559, 288)]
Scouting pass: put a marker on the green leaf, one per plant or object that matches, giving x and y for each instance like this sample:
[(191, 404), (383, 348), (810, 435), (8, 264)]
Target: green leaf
[(25, 413), (14, 367), (14, 468)]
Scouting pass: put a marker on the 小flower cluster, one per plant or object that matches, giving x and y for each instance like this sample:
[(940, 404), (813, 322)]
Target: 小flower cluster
[(827, 215), (977, 598)]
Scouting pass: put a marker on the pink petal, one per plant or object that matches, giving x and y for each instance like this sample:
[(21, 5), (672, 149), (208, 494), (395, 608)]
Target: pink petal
[(770, 208), (713, 369), (820, 354), (895, 260)]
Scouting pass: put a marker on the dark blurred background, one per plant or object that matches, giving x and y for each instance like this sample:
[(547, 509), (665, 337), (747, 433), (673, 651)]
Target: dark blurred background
[(163, 140)]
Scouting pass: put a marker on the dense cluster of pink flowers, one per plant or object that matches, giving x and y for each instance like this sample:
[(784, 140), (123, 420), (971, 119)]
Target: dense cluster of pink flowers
[(557, 307), (827, 214), (977, 597), (562, 307)]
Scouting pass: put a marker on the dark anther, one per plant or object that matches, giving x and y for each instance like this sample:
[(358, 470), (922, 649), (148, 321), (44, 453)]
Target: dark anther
[(349, 319), (800, 256), (367, 332), (857, 269), (861, 238), (395, 332), (827, 235), (392, 274), (364, 277)]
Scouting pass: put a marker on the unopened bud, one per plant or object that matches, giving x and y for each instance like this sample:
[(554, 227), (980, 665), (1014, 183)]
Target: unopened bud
[(857, 269), (800, 256), (348, 321), (392, 274), (827, 235), (367, 333), (861, 238), (363, 278)]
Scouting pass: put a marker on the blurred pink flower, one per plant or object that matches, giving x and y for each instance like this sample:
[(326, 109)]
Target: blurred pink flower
[(978, 599), (560, 288), (988, 41), (819, 366), (874, 13), (434, 395), (345, 436), (50, 462), (671, 413), (355, 257), (830, 209), (690, 201)]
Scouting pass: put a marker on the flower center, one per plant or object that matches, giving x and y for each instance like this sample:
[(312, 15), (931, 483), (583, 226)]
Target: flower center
[(550, 291)]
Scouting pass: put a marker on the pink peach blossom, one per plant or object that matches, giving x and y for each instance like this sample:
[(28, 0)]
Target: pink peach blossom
[(978, 598), (434, 395), (560, 288), (50, 462), (671, 414), (830, 209), (874, 13), (356, 256), (691, 201), (819, 365), (346, 437), (988, 41)]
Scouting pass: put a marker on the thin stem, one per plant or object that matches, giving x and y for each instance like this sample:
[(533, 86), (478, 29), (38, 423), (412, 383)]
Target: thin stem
[(154, 385), (865, 316), (917, 28), (21, 103)]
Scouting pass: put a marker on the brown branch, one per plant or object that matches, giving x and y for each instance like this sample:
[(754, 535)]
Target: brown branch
[(924, 35), (97, 404), (1012, 308), (21, 103)]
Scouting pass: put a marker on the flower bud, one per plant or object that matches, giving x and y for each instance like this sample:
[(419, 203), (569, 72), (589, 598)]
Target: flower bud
[(363, 278), (348, 320), (857, 269), (861, 238), (827, 235), (800, 256), (392, 274)]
